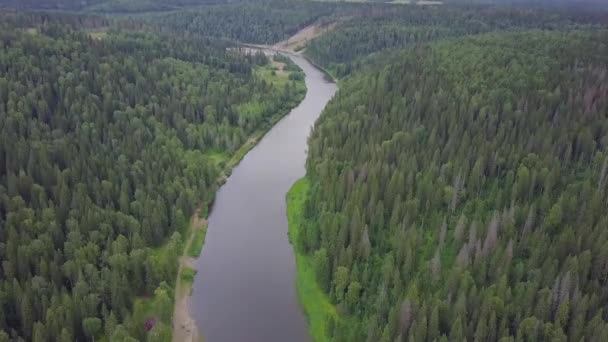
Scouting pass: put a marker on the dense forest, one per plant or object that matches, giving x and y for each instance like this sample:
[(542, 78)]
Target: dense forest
[(460, 193), (260, 22), (350, 44), (456, 186), (109, 6), (108, 144)]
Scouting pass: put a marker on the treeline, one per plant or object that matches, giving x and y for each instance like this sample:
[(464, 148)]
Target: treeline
[(106, 150), (25, 20), (107, 6), (347, 47), (49, 4), (460, 192), (262, 22)]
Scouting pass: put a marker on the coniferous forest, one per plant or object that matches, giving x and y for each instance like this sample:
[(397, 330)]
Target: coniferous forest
[(356, 43), (456, 186), (107, 149), (459, 193)]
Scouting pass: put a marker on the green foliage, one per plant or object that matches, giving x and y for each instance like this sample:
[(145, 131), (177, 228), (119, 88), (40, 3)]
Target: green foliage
[(459, 192), (197, 243), (349, 45), (109, 6), (262, 22), (315, 303), (160, 333), (130, 6), (157, 308), (91, 326), (289, 75), (188, 275), (107, 147)]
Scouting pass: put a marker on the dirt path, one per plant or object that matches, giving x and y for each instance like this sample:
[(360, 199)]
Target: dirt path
[(298, 41), (184, 327)]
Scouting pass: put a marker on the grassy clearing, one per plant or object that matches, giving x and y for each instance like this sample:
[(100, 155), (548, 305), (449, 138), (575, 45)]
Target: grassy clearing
[(218, 158), (316, 304), (271, 74), (275, 74), (195, 248)]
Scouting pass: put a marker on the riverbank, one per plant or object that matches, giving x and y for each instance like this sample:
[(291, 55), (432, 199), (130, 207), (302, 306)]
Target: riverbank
[(247, 269), (316, 305), (184, 326)]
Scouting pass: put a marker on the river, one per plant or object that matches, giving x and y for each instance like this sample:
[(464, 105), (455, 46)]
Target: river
[(245, 287)]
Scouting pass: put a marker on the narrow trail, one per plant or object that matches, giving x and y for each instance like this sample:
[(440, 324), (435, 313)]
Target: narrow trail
[(184, 327)]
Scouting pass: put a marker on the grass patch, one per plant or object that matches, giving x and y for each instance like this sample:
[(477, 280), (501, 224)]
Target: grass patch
[(197, 243), (316, 304), (270, 74), (218, 158), (279, 78)]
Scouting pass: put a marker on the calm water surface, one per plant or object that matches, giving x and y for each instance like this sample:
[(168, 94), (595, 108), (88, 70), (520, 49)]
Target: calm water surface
[(245, 286)]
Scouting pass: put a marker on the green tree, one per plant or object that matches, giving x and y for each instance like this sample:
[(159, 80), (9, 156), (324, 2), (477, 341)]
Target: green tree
[(91, 326)]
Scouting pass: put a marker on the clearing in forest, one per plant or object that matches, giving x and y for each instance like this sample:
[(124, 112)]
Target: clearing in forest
[(298, 41)]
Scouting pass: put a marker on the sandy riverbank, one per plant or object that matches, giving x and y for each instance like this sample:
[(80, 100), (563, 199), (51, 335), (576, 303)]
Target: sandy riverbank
[(184, 327)]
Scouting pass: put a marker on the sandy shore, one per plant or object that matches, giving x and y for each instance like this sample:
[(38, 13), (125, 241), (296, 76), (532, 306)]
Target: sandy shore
[(184, 326)]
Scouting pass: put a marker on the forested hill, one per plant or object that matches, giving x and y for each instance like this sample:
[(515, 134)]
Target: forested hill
[(107, 146), (260, 22), (460, 193), (349, 45), (105, 5)]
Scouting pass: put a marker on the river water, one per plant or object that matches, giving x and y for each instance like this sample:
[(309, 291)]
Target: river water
[(245, 287)]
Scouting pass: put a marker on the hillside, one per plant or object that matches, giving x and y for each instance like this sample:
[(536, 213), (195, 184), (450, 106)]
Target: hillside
[(356, 42), (110, 6), (460, 192), (109, 143)]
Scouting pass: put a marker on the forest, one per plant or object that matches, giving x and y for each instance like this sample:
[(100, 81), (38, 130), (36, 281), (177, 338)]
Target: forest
[(459, 192), (107, 6), (357, 42), (455, 189), (109, 144), (260, 22)]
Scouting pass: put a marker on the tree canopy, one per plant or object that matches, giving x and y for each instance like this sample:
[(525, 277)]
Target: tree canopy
[(107, 148), (381, 28), (459, 192)]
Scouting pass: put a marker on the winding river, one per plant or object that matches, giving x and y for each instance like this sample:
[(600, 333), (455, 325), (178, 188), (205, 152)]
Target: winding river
[(245, 287)]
